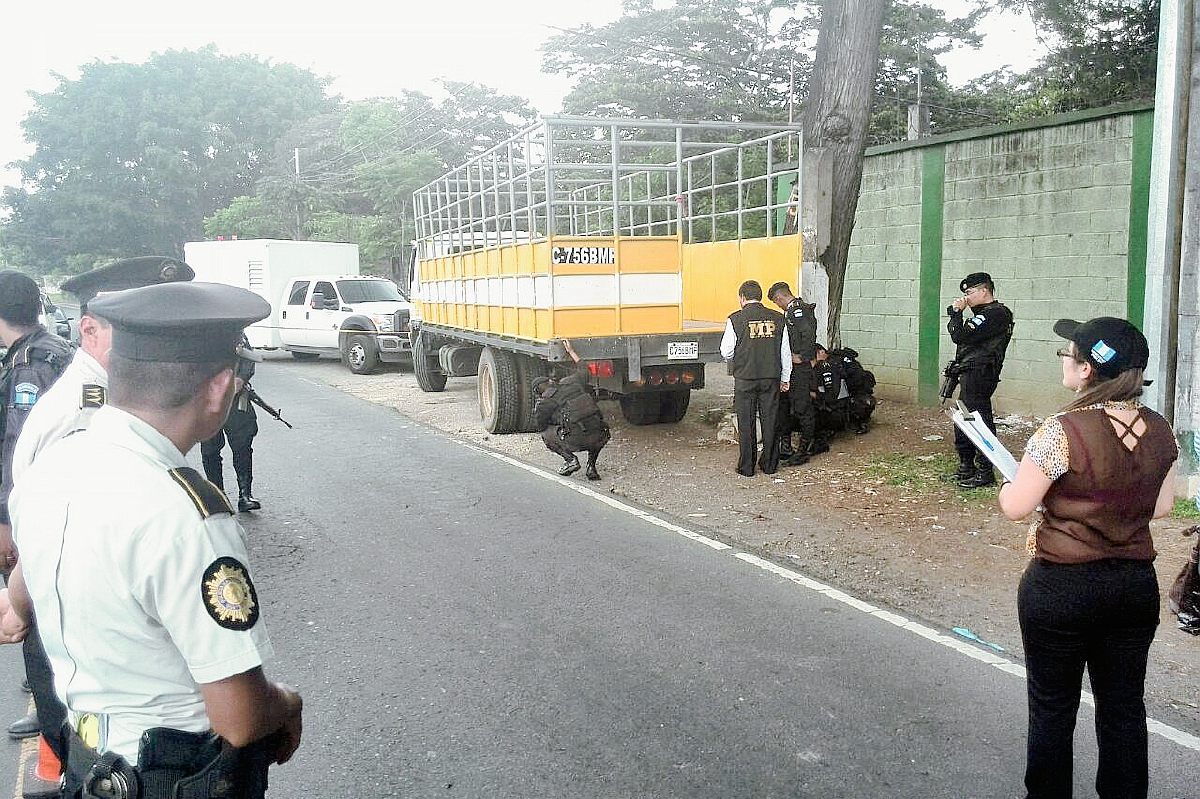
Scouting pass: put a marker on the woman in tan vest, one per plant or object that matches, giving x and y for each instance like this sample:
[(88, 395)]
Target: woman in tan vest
[(1097, 472)]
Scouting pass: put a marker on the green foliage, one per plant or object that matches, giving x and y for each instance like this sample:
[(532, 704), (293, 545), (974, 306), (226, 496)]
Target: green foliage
[(920, 473), (721, 59), (130, 158), (1185, 509)]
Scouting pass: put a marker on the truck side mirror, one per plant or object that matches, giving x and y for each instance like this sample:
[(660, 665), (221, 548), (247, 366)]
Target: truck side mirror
[(331, 304)]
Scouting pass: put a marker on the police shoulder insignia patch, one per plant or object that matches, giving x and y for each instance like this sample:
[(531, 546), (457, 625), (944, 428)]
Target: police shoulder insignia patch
[(25, 395), (976, 321), (207, 498), (93, 396), (229, 595)]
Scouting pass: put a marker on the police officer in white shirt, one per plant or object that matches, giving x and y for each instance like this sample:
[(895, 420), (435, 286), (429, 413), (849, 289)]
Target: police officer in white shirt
[(138, 570), (66, 407)]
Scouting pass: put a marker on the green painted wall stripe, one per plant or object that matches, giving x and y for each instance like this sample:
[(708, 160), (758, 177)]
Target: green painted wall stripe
[(1139, 209), (933, 190)]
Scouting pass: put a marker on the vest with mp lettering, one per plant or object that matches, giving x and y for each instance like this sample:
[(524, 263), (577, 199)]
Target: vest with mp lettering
[(759, 332)]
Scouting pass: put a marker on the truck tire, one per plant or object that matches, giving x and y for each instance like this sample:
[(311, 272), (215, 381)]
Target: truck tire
[(499, 391), (641, 409), (362, 356), (529, 368), (429, 377), (674, 405)]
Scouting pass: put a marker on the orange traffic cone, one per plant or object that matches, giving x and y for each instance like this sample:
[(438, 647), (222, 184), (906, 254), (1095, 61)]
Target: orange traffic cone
[(49, 768)]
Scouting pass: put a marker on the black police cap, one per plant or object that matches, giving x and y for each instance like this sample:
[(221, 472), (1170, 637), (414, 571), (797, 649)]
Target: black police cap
[(975, 279), (128, 273), (180, 322)]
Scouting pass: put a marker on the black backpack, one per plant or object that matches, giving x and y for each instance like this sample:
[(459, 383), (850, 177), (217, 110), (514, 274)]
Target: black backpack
[(859, 380)]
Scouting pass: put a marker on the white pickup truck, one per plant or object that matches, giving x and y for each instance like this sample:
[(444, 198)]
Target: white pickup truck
[(362, 319)]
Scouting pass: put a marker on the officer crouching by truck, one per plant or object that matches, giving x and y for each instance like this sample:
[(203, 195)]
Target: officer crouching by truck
[(137, 568), (566, 412), (981, 339)]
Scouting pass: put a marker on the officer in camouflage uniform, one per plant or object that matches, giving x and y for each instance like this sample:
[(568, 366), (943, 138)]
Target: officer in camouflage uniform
[(570, 420)]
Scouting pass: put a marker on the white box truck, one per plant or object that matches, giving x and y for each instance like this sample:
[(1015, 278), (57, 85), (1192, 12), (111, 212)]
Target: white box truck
[(320, 304)]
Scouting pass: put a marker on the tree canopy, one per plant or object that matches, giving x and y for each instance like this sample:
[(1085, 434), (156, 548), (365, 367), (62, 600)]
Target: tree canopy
[(130, 158)]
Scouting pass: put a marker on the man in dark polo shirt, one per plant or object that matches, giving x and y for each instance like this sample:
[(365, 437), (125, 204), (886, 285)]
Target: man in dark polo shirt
[(760, 359)]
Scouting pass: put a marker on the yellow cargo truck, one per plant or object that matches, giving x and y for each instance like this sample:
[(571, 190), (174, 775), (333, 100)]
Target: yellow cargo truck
[(628, 238)]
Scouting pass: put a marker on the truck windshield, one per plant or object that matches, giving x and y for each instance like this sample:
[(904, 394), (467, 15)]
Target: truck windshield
[(368, 291)]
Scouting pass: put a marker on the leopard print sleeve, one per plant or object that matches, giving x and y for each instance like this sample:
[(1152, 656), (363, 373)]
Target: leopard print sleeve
[(1048, 448)]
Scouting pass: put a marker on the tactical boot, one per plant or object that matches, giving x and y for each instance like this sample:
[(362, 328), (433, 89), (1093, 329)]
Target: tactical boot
[(592, 473), (247, 503), (798, 458), (785, 447), (966, 470), (980, 479), (570, 467)]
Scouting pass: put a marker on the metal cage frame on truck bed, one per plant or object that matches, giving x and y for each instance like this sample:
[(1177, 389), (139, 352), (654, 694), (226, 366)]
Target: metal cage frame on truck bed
[(580, 176)]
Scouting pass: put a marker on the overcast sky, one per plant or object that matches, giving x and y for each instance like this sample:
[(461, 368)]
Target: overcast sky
[(370, 49)]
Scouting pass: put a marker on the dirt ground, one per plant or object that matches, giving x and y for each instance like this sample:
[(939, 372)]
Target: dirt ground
[(869, 516)]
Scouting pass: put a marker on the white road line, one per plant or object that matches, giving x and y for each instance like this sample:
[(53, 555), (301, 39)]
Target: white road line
[(1184, 739)]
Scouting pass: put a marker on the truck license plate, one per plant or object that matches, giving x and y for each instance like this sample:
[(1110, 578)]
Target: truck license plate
[(683, 350)]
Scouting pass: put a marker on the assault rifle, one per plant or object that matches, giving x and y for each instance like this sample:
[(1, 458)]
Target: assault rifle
[(952, 373), (252, 396)]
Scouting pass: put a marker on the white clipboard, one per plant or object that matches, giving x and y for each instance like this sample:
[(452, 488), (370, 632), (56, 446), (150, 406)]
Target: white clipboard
[(984, 440)]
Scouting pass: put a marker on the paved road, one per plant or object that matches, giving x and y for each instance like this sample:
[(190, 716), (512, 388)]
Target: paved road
[(462, 625)]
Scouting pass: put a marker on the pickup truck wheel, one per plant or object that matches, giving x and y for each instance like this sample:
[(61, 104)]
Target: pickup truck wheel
[(429, 378), (499, 394), (361, 355), (674, 406), (641, 409), (305, 356)]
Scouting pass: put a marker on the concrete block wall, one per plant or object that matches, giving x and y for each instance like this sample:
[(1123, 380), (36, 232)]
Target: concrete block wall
[(1045, 210), (879, 302)]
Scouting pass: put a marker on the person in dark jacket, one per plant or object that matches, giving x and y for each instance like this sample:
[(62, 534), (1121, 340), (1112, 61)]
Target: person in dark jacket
[(34, 360), (239, 430), (569, 417), (981, 340), (759, 353), (796, 413)]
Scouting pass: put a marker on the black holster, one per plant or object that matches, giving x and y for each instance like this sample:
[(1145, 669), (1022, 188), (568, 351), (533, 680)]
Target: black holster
[(173, 764)]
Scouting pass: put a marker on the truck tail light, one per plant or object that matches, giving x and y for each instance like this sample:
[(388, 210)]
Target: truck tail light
[(600, 368), (672, 377), (688, 377)]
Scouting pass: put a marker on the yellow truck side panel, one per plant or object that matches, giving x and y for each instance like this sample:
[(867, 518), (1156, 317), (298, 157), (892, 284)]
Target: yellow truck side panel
[(713, 271), (652, 286)]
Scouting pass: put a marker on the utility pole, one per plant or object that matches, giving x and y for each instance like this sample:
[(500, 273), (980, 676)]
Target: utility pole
[(296, 161)]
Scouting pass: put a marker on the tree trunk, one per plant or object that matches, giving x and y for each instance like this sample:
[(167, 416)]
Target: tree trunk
[(836, 118)]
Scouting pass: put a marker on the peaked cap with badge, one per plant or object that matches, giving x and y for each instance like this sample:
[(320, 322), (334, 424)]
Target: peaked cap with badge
[(180, 322), (127, 273)]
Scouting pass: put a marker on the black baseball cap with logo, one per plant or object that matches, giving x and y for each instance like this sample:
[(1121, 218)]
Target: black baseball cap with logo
[(1110, 344)]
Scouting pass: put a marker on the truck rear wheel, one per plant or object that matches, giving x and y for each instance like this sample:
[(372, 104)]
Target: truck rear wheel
[(362, 356), (499, 395), (429, 378), (641, 409), (529, 368), (674, 405)]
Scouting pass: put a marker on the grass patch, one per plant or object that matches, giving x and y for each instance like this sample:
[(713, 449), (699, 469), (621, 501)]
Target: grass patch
[(915, 472), (1185, 509)]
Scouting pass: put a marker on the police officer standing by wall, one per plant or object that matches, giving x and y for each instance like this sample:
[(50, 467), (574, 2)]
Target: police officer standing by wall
[(759, 353), (796, 412), (34, 361), (68, 407), (138, 570), (981, 340)]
